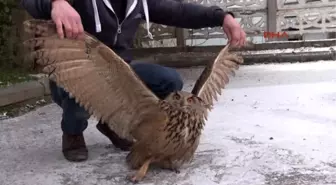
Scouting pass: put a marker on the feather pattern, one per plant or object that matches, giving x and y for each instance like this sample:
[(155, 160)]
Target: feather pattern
[(94, 75), (166, 131), (215, 76)]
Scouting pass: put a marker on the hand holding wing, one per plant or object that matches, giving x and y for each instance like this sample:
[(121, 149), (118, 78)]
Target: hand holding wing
[(93, 74), (215, 76)]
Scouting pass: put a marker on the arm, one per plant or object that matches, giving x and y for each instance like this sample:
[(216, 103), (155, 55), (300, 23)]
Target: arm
[(185, 15), (60, 11), (38, 9)]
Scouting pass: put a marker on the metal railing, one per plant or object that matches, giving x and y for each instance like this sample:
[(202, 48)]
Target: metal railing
[(295, 18)]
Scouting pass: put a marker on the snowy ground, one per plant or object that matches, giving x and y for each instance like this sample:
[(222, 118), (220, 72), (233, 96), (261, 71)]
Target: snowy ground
[(274, 125)]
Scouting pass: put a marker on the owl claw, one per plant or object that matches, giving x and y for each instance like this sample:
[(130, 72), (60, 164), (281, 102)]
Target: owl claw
[(175, 170), (140, 173), (133, 179)]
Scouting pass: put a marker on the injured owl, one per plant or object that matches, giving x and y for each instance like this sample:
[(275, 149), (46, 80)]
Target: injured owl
[(110, 90)]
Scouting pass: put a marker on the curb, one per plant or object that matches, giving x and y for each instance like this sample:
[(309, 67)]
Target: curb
[(276, 45), (24, 91), (196, 59)]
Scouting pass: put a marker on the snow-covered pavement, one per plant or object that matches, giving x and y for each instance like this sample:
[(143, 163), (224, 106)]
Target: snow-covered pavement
[(273, 125)]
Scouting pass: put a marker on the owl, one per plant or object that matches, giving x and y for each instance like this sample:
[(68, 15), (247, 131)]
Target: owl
[(166, 132)]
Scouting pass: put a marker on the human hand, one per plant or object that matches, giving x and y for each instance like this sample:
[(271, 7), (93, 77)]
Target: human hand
[(63, 14), (234, 32)]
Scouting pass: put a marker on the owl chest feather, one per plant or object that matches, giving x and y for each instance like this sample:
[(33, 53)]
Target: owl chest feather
[(184, 126)]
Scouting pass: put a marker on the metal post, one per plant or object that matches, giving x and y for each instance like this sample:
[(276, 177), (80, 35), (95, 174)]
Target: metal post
[(271, 17), (180, 39)]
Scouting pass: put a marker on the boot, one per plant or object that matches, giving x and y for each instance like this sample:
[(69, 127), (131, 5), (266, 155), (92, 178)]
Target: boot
[(118, 142), (74, 147)]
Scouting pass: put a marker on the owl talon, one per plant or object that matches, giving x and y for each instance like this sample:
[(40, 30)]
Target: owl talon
[(176, 171), (133, 178), (140, 173)]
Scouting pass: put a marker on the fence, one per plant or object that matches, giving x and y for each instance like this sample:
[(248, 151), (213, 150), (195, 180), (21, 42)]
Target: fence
[(298, 19)]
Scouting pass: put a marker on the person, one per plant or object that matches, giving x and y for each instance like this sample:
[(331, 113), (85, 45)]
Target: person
[(115, 22)]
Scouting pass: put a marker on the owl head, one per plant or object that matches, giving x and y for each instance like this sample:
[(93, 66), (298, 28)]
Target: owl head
[(184, 99)]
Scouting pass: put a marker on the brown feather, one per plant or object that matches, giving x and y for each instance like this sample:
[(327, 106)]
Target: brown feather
[(94, 75), (167, 132), (172, 142), (215, 76), (53, 42)]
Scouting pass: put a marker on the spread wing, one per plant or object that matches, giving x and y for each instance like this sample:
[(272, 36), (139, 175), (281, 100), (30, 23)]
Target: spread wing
[(216, 75), (93, 74)]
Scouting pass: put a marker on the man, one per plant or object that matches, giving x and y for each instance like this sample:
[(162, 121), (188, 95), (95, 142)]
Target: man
[(115, 22)]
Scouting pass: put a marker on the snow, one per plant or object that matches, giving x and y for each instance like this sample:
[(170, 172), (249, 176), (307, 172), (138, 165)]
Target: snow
[(274, 124)]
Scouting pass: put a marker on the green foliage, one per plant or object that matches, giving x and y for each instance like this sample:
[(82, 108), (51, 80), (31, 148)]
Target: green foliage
[(11, 76), (7, 28)]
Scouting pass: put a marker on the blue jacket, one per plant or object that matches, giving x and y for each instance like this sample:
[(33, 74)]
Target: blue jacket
[(99, 19)]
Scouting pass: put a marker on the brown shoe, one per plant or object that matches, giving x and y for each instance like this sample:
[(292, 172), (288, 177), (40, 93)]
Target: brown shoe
[(74, 148), (118, 142)]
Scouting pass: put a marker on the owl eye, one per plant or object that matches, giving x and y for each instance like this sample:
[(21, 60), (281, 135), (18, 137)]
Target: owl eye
[(177, 97), (190, 100)]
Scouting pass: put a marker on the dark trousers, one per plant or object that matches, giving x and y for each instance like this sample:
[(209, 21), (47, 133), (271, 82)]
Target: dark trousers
[(161, 80)]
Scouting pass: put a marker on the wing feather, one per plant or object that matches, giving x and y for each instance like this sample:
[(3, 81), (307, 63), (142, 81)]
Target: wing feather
[(215, 76), (94, 75)]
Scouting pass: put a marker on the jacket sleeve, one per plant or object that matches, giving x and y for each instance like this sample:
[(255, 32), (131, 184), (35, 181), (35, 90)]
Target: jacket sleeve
[(185, 15), (38, 9)]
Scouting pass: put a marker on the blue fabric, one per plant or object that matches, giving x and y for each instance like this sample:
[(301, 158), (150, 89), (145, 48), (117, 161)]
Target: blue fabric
[(161, 80)]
